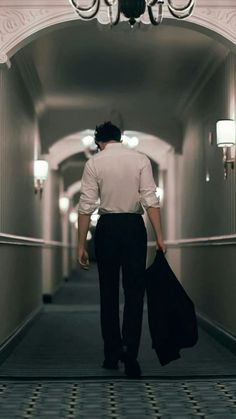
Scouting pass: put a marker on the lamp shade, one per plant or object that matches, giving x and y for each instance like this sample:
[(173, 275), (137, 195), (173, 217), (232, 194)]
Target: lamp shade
[(226, 133), (73, 217), (159, 193), (88, 140), (64, 204), (133, 142), (124, 139), (40, 169), (130, 142)]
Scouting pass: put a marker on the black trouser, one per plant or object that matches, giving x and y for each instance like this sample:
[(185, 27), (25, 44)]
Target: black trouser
[(121, 242)]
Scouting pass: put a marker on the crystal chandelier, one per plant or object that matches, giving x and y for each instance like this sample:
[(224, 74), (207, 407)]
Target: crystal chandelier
[(133, 9)]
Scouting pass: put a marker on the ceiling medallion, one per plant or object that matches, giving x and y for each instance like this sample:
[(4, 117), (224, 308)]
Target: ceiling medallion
[(133, 10)]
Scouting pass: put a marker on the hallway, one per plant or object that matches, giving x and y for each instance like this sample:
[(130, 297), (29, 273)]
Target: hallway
[(171, 90), (65, 342), (54, 371)]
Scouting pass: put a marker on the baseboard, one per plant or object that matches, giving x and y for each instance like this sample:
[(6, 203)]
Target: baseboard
[(216, 331), (10, 343)]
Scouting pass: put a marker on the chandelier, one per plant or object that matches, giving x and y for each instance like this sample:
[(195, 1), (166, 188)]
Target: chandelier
[(133, 9)]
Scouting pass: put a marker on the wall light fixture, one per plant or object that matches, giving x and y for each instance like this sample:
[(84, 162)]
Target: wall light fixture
[(88, 141), (130, 142), (160, 194), (64, 204), (73, 217), (226, 138), (40, 175)]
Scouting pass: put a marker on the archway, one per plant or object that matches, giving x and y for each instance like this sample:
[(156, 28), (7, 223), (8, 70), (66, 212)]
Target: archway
[(19, 26), (66, 147)]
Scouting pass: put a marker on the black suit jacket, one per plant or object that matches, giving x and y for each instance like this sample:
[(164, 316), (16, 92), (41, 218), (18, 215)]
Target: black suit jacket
[(171, 313)]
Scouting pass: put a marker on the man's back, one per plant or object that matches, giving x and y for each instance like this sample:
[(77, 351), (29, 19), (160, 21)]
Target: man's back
[(124, 181)]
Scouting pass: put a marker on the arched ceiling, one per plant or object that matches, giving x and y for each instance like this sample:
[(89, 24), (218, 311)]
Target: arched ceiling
[(69, 150), (80, 76)]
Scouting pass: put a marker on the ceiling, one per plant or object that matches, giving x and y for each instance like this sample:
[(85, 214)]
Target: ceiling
[(142, 79)]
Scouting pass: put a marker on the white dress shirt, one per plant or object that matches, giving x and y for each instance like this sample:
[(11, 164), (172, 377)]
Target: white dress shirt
[(123, 180)]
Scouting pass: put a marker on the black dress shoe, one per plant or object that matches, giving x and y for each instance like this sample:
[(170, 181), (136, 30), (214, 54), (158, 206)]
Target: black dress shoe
[(110, 365), (132, 368)]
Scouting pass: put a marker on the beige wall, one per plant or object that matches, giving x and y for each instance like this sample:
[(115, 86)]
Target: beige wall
[(24, 263), (52, 253), (201, 209), (20, 209)]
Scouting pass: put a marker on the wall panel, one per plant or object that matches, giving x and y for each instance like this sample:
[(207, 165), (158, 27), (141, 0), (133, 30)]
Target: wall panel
[(207, 208), (19, 141), (20, 282), (52, 254), (20, 209)]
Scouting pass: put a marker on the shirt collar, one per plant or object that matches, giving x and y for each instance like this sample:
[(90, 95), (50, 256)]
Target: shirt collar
[(118, 145)]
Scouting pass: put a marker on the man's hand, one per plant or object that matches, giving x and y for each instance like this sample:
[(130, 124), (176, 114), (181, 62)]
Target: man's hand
[(82, 257), (161, 246)]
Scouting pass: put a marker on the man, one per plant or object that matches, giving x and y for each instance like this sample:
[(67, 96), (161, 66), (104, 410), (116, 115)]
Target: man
[(123, 180)]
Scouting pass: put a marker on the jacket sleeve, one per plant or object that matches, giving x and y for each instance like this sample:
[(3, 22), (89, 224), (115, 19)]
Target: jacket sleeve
[(147, 187), (89, 192)]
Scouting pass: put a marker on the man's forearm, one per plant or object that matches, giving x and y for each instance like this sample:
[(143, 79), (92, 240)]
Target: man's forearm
[(83, 226), (154, 216)]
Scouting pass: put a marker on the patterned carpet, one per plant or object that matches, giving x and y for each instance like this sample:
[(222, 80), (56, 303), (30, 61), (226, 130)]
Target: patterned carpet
[(65, 342), (55, 370), (119, 399)]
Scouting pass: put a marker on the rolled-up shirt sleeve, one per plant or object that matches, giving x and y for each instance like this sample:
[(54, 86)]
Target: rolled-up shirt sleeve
[(89, 191), (147, 187)]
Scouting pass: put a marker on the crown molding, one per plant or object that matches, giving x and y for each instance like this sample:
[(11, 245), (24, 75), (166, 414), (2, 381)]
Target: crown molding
[(23, 20), (4, 61), (34, 3), (64, 3)]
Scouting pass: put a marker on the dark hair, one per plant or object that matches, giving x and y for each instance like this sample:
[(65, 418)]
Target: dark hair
[(106, 132)]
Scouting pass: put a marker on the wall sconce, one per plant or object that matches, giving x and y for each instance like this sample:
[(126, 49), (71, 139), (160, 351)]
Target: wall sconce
[(208, 178), (89, 144), (130, 142), (40, 175), (159, 194), (73, 217), (88, 141), (226, 137), (64, 204)]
